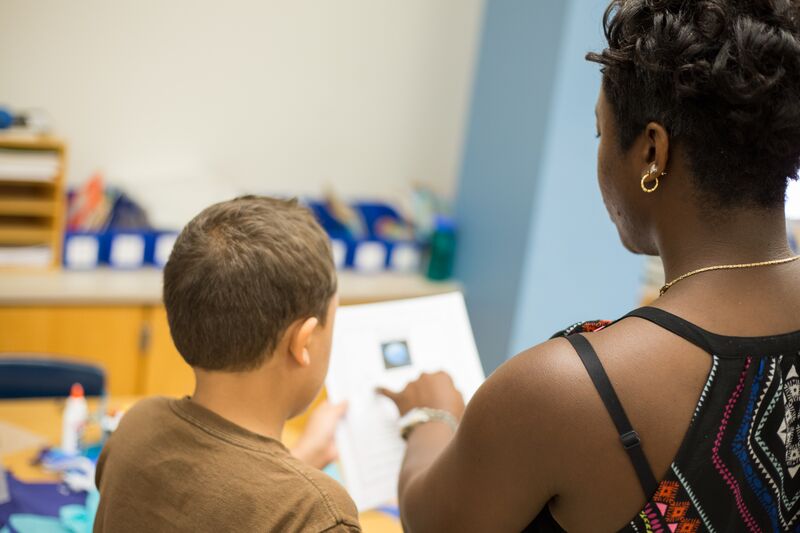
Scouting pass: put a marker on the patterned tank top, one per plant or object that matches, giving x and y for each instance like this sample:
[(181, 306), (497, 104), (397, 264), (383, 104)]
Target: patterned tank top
[(737, 468)]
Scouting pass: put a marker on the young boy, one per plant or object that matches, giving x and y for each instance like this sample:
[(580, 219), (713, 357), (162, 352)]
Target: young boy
[(250, 293)]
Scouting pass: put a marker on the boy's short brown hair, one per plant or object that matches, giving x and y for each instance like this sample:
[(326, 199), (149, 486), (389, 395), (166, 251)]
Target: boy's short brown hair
[(240, 273)]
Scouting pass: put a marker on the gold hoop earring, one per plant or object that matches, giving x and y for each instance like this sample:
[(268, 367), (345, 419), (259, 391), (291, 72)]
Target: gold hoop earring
[(649, 174), (645, 188)]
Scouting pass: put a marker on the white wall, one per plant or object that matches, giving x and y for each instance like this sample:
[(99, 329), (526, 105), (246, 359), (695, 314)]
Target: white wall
[(187, 101)]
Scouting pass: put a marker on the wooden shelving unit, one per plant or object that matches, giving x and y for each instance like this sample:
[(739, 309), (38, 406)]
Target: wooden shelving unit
[(32, 211)]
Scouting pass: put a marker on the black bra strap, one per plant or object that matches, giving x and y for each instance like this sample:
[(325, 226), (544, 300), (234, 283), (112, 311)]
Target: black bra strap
[(680, 327), (629, 437)]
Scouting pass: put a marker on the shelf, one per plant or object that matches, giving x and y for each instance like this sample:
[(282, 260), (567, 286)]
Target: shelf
[(25, 206), (21, 235), (27, 182), (32, 209), (31, 142)]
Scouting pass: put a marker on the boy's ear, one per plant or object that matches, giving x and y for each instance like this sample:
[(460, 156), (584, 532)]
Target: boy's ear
[(298, 343)]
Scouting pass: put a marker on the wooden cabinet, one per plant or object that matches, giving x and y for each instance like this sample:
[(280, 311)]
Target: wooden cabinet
[(108, 336), (132, 344), (163, 370), (116, 319)]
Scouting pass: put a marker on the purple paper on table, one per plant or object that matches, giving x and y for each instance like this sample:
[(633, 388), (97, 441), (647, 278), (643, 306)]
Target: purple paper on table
[(43, 499)]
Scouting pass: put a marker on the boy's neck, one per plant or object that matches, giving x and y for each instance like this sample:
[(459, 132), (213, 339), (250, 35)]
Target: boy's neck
[(244, 398)]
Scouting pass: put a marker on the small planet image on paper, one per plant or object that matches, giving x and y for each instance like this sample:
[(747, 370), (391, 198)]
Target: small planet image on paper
[(395, 354)]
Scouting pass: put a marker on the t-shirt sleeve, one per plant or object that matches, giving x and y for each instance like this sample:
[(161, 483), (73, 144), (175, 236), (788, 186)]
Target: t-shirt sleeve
[(341, 513), (342, 528), (343, 507)]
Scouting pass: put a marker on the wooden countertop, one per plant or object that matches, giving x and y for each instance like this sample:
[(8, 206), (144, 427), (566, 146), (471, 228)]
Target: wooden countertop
[(143, 287)]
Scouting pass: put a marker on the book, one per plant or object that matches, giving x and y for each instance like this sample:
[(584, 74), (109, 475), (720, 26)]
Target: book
[(25, 256), (29, 165), (388, 345)]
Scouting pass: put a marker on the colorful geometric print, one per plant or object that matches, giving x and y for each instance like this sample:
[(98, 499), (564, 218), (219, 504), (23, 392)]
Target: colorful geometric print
[(790, 428), (748, 481), (719, 464), (582, 327), (769, 449), (766, 463), (768, 452), (709, 381), (667, 511), (742, 452), (738, 467), (695, 503)]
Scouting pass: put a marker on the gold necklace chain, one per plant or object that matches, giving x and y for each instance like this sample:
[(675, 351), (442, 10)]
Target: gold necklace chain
[(666, 287)]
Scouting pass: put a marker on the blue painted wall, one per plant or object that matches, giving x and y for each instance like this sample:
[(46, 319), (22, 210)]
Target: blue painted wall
[(575, 266), (510, 104), (538, 250)]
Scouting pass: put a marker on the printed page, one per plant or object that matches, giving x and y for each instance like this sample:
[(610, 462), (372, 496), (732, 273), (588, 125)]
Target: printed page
[(389, 344)]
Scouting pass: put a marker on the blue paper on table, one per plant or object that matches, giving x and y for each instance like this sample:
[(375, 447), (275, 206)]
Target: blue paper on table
[(32, 504)]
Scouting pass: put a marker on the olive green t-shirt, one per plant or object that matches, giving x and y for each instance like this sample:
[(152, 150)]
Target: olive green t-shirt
[(173, 465)]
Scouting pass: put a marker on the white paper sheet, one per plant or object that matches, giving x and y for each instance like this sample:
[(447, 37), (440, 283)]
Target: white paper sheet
[(389, 344)]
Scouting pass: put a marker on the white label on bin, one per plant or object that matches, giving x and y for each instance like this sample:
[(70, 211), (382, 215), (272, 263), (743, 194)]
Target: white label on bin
[(405, 258), (370, 256), (82, 251), (164, 245), (339, 249), (127, 251)]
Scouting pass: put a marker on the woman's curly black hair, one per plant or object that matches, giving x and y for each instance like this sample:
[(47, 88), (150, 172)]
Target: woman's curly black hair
[(723, 77)]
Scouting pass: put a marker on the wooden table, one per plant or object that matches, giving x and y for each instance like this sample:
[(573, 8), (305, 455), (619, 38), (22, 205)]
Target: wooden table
[(43, 418)]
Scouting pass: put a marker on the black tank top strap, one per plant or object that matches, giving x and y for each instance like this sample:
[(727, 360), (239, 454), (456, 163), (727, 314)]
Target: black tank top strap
[(715, 344), (629, 438), (677, 325)]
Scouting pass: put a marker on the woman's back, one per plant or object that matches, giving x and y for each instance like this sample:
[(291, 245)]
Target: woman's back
[(717, 416)]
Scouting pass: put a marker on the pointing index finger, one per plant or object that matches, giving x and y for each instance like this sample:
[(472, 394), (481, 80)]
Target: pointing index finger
[(389, 394)]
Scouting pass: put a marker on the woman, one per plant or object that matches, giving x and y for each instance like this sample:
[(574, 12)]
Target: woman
[(652, 423)]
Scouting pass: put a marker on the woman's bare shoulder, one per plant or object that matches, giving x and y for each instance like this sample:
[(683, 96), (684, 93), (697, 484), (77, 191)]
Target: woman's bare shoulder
[(541, 385), (553, 369), (547, 383)]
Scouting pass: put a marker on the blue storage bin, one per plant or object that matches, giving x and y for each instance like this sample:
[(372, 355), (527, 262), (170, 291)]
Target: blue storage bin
[(82, 250), (129, 249), (339, 248), (117, 249), (404, 256), (162, 244), (372, 253)]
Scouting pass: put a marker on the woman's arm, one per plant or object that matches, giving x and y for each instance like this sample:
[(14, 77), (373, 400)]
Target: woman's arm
[(498, 470), (428, 440)]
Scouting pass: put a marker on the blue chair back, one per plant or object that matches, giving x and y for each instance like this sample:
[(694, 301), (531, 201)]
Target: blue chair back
[(45, 377)]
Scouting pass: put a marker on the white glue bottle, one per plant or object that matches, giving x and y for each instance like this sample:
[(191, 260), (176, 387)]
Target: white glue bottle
[(76, 414)]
